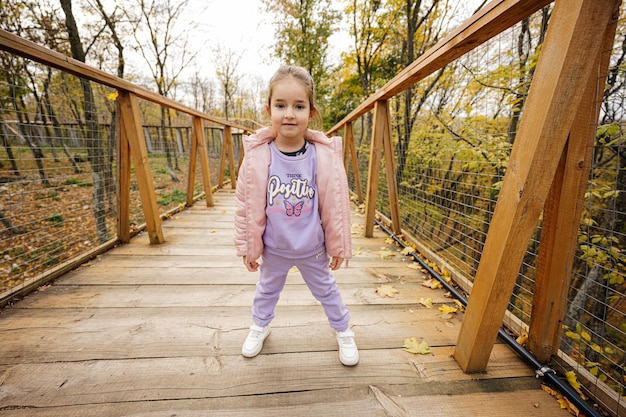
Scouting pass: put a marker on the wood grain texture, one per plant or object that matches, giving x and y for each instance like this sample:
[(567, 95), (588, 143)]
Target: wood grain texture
[(140, 332)]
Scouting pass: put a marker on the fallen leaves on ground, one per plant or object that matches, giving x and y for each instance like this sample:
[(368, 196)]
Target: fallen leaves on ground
[(386, 291), (522, 338), (573, 381), (446, 309), (432, 284), (408, 251), (412, 345), (564, 402), (386, 254), (416, 266), (426, 302)]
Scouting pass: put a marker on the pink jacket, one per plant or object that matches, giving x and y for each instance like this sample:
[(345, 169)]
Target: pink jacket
[(251, 194)]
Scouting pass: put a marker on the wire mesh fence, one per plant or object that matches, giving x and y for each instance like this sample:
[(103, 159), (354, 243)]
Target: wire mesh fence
[(449, 171), (58, 168), (58, 195)]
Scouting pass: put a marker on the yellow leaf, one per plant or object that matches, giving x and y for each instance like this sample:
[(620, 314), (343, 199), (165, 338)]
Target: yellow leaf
[(586, 336), (407, 251), (293, 269), (459, 305), (390, 241), (446, 309), (413, 346), (386, 291), (426, 302), (385, 254), (522, 339), (113, 96), (446, 275), (573, 381), (432, 283), (213, 231), (415, 266)]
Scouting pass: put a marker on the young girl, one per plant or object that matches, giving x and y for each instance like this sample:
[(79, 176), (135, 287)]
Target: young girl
[(293, 209)]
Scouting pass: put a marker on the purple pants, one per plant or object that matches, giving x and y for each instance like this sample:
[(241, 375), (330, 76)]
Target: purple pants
[(316, 275)]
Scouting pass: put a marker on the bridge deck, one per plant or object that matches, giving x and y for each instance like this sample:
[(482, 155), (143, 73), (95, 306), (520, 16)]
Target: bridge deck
[(156, 330)]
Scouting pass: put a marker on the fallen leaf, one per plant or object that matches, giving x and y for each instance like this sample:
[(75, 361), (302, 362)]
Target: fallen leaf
[(426, 302), (293, 269), (446, 309), (459, 305), (415, 266), (385, 254), (432, 284), (411, 345), (213, 231), (573, 381), (407, 251), (522, 338), (386, 291)]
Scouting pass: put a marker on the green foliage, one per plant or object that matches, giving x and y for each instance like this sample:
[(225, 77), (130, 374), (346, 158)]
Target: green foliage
[(302, 31), (606, 367), (56, 220), (175, 196)]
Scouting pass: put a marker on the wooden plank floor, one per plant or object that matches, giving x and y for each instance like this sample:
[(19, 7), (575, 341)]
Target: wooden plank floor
[(156, 330)]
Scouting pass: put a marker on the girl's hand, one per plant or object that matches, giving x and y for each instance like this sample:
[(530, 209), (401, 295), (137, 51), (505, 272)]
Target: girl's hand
[(252, 266), (335, 263)]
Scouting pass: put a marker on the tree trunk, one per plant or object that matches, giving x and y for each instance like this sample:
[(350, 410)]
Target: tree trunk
[(95, 149), (22, 117), (4, 139), (58, 134)]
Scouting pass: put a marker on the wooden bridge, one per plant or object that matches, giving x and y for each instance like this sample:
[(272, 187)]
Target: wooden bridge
[(154, 324), (155, 330)]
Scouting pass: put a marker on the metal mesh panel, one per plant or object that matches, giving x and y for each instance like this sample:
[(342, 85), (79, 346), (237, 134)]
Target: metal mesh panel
[(451, 175), (58, 169), (58, 188)]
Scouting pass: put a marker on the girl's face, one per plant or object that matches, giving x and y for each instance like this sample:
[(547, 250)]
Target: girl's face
[(289, 110)]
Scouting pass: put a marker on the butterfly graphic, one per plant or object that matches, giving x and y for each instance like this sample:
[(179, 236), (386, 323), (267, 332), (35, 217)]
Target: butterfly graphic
[(293, 209)]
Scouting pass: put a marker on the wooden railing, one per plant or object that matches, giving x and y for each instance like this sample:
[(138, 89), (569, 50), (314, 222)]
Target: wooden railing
[(548, 167), (547, 171), (132, 141)]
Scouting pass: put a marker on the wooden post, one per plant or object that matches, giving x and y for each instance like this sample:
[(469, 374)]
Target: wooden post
[(204, 162), (381, 140), (563, 208), (350, 153), (241, 155), (123, 175), (380, 119), (392, 186), (228, 146), (129, 112), (553, 101), (198, 148), (220, 183), (193, 156)]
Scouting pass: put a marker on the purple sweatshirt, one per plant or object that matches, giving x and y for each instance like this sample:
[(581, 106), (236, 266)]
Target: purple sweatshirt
[(293, 228)]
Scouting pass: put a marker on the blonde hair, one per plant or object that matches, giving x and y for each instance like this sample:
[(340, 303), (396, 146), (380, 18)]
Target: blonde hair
[(303, 77)]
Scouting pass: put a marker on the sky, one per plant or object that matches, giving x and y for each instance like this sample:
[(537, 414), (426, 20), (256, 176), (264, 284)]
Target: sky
[(245, 28)]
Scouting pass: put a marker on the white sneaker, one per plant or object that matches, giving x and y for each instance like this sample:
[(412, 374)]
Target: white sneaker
[(254, 342), (348, 352)]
